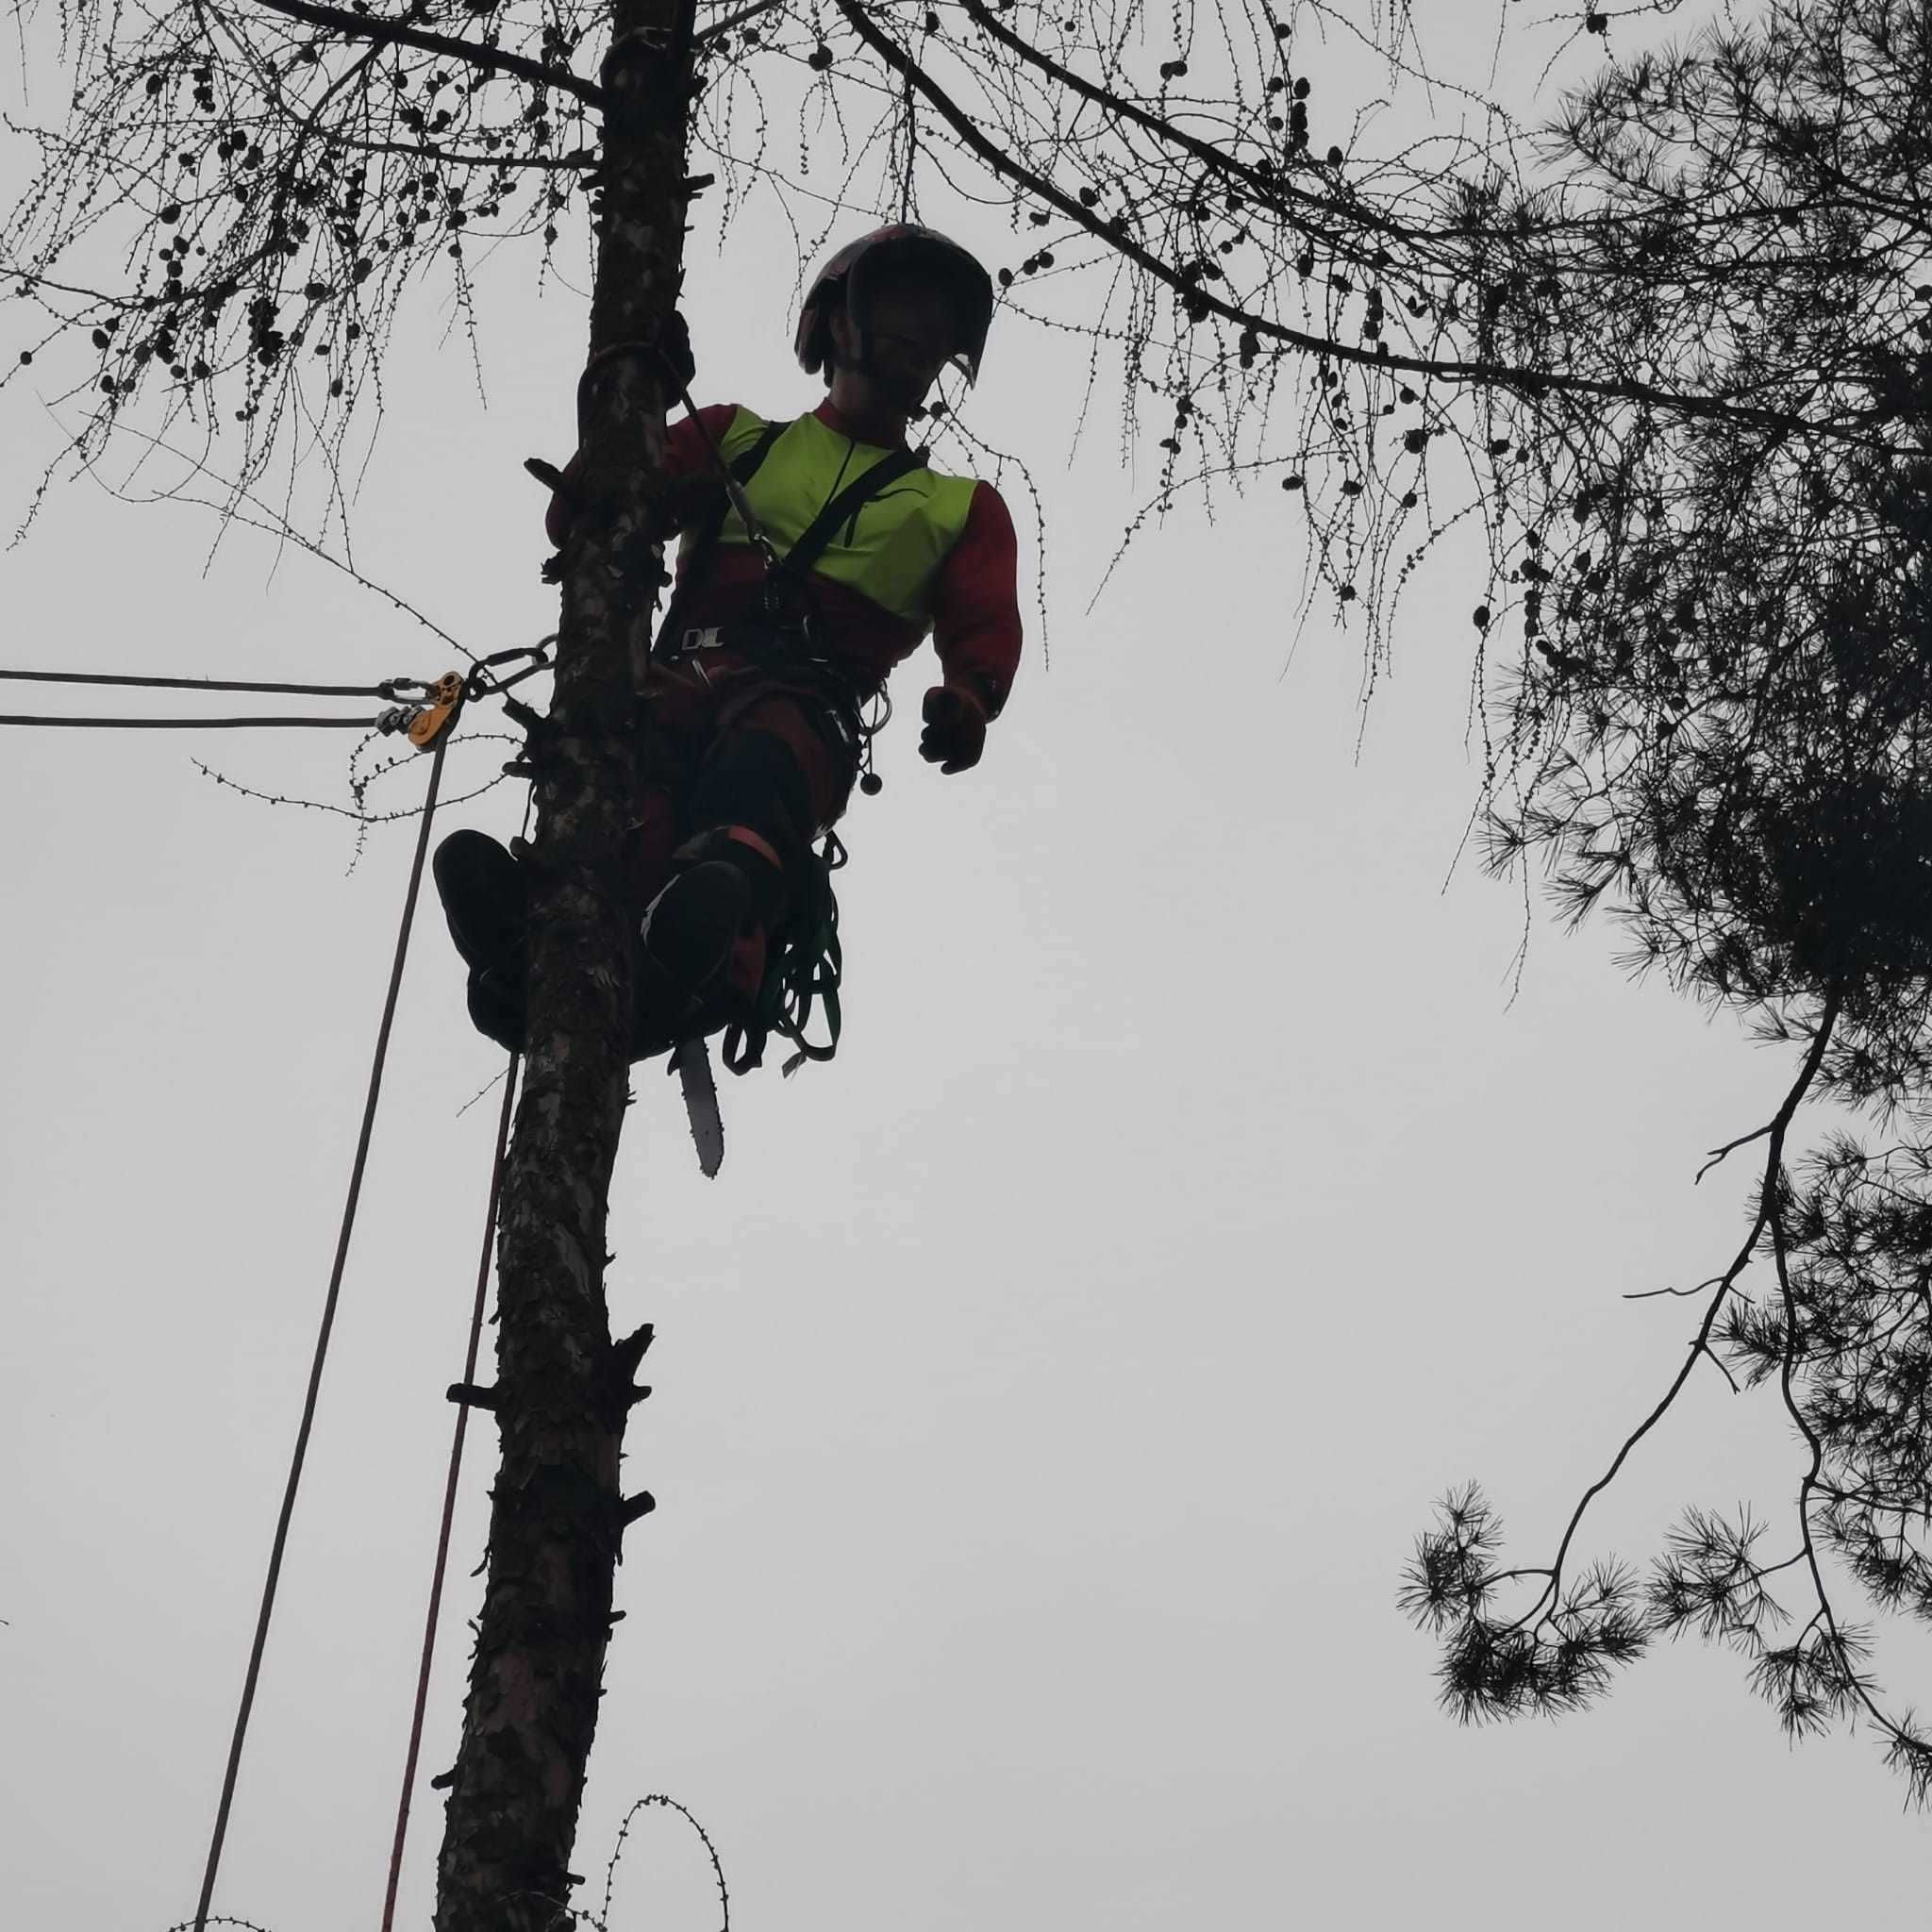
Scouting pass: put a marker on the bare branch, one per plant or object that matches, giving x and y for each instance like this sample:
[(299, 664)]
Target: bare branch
[(370, 26)]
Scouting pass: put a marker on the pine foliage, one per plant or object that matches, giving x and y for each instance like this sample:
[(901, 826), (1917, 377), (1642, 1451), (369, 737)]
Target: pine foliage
[(1721, 734)]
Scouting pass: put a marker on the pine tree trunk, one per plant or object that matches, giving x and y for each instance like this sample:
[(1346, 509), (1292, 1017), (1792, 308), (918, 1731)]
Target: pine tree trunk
[(557, 1515)]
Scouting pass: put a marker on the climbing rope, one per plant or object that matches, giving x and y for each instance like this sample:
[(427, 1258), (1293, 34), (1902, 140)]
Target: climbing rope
[(425, 706), (449, 1496), (189, 723), (389, 687), (427, 715), (441, 1566), (328, 1315)]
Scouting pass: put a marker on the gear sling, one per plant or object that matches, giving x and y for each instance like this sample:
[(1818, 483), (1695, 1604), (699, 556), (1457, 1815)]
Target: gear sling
[(805, 960)]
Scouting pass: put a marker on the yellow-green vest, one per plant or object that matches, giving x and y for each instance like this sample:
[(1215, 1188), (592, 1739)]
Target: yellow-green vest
[(891, 551)]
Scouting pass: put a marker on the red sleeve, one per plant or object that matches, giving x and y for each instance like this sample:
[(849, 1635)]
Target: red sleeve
[(977, 608), (685, 455)]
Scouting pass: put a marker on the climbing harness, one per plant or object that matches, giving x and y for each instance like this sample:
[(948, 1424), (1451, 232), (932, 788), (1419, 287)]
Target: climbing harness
[(787, 637), (788, 628), (736, 474)]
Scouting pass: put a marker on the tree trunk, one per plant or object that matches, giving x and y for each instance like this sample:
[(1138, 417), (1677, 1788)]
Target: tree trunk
[(557, 1514)]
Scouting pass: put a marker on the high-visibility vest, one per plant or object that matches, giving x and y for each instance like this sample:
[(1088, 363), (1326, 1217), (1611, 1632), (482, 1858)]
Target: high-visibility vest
[(891, 547)]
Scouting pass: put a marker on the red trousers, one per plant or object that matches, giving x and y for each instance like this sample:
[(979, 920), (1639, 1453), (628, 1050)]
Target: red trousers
[(723, 742)]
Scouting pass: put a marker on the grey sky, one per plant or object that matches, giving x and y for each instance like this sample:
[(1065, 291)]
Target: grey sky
[(1047, 1391)]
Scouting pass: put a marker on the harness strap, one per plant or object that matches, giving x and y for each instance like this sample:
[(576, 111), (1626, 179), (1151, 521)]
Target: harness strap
[(787, 581), (743, 467), (844, 509)]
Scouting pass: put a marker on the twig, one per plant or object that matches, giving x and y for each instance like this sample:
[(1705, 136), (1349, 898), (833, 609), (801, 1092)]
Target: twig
[(719, 28), (1718, 1154), (366, 26), (489, 1087), (1201, 303), (624, 1831), (1646, 1294), (344, 811)]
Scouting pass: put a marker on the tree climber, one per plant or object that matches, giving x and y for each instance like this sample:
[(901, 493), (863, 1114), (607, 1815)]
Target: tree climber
[(778, 634)]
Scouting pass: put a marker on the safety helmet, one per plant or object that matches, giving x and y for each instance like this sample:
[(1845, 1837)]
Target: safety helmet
[(852, 273)]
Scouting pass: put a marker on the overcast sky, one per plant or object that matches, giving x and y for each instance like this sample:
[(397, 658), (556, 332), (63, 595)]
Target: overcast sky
[(1048, 1390)]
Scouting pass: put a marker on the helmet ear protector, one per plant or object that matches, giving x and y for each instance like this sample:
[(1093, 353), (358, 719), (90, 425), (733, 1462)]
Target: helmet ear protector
[(848, 278)]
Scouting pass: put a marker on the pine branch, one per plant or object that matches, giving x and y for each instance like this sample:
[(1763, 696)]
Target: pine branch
[(1775, 1130)]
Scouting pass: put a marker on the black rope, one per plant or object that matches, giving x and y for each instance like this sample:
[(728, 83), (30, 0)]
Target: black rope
[(449, 1493), (321, 1339), (390, 688), (191, 723), (503, 684)]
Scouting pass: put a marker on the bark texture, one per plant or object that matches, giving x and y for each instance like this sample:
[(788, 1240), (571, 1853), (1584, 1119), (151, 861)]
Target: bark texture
[(558, 1513)]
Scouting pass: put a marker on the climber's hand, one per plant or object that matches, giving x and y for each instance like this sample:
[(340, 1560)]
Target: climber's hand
[(682, 502), (686, 503), (565, 500), (673, 346), (954, 733)]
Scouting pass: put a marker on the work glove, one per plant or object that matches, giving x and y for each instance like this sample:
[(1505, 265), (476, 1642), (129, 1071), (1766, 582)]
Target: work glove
[(673, 348), (954, 733)]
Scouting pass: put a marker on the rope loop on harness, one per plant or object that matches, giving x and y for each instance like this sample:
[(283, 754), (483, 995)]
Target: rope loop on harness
[(802, 978)]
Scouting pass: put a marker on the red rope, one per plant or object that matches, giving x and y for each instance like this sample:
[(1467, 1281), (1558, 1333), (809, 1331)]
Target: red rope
[(328, 1317), (449, 1503)]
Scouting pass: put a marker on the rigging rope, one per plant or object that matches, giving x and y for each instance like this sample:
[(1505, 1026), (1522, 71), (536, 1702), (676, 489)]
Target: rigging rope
[(449, 1498), (480, 682), (321, 1339), (389, 687), (441, 1565)]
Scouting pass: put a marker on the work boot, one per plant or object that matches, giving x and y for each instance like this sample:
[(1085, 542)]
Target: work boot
[(481, 887), (497, 1009), (690, 926)]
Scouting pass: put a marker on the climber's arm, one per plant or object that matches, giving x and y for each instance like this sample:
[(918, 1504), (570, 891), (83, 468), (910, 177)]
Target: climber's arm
[(977, 633)]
